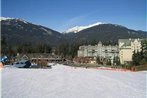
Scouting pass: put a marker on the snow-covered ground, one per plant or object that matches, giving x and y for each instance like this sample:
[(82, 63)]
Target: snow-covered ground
[(69, 82)]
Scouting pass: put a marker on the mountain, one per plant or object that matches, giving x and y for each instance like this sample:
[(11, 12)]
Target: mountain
[(105, 32), (18, 31), (80, 28)]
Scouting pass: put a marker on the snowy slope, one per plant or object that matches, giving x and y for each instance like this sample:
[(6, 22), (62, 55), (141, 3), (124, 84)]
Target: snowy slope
[(80, 28), (69, 82)]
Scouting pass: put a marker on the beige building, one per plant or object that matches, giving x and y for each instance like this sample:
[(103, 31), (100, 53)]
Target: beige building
[(126, 49)]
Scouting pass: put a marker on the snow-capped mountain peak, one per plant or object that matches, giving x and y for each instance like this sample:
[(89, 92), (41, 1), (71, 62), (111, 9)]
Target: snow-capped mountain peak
[(5, 18), (17, 19), (80, 28)]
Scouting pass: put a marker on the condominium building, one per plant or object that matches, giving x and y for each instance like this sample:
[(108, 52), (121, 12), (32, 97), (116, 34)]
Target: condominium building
[(99, 50), (126, 49)]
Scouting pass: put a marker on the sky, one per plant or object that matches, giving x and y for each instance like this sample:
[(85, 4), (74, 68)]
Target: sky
[(61, 15)]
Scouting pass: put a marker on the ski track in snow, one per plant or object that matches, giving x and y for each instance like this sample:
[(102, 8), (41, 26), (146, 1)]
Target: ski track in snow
[(69, 82)]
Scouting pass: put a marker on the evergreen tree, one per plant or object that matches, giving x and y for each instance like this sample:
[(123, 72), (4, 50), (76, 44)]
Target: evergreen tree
[(98, 60), (93, 42), (116, 60)]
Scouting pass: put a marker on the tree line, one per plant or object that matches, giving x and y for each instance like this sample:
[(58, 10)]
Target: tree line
[(10, 50), (140, 58)]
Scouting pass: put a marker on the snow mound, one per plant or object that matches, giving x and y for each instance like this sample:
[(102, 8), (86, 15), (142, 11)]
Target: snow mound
[(9, 66)]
